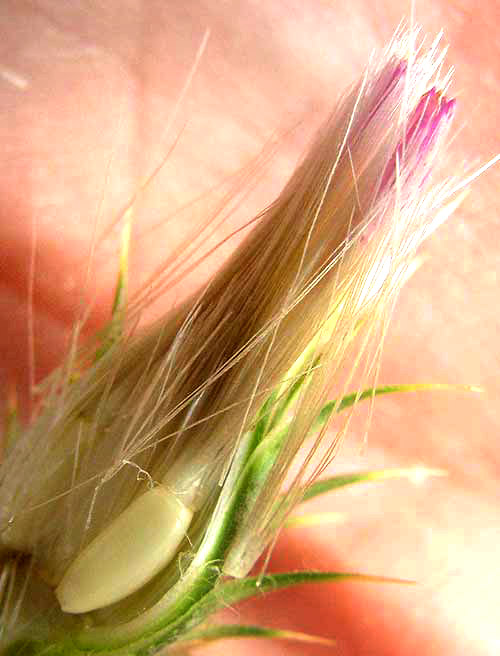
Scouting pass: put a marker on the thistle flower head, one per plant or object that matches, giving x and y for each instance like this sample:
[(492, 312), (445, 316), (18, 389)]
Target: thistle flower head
[(213, 404)]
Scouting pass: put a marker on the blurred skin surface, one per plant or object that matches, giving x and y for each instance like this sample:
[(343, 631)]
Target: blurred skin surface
[(86, 94)]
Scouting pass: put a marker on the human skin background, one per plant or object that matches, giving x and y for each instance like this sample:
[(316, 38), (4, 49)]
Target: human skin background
[(89, 87)]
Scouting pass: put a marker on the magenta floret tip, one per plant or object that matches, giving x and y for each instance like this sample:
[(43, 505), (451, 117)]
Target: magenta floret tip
[(432, 112), (430, 117)]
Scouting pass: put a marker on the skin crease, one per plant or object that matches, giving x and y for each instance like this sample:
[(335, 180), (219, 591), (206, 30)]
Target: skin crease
[(87, 89)]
